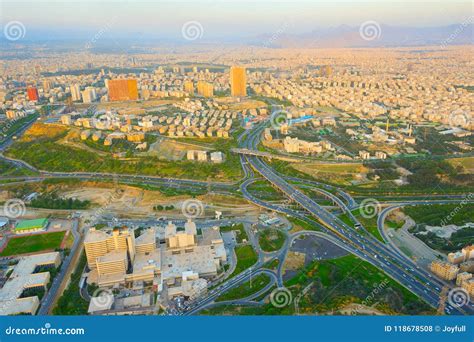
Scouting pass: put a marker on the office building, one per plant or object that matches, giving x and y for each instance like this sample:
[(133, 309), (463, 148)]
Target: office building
[(47, 85), (99, 243), (32, 93), (76, 92), (189, 87), (88, 95), (468, 285), (456, 257), (444, 270), (180, 261), (463, 276), (205, 89), (468, 252), (122, 90), (26, 276), (238, 81)]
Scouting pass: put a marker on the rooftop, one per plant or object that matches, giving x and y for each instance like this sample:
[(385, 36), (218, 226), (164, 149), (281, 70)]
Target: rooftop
[(31, 224)]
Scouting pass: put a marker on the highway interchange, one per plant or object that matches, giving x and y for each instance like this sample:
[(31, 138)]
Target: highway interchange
[(391, 262), (355, 240)]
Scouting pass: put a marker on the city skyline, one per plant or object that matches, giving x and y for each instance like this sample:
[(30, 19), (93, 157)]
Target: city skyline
[(301, 161), (219, 19)]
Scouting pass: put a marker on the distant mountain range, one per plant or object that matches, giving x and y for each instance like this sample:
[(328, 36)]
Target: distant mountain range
[(369, 34)]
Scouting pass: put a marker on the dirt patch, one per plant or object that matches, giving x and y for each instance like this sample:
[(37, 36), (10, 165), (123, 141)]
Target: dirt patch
[(172, 150), (341, 173), (294, 261), (38, 130)]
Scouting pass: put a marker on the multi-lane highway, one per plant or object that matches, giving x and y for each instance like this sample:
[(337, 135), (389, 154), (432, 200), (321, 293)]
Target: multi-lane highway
[(398, 267), (357, 241)]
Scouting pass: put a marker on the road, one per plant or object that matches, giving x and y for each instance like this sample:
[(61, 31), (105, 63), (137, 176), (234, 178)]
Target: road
[(398, 267), (50, 297), (357, 241)]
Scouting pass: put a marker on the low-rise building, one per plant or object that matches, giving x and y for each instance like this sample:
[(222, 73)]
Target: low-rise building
[(31, 226), (456, 257), (30, 273), (462, 277), (217, 157), (444, 270)]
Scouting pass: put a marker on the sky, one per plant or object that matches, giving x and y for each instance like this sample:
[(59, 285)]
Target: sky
[(221, 18)]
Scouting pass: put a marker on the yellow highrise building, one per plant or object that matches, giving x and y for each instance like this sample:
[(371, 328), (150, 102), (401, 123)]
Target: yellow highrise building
[(98, 243), (238, 81), (205, 89), (189, 87)]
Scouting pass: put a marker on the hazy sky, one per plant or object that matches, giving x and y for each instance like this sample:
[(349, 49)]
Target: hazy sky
[(220, 18)]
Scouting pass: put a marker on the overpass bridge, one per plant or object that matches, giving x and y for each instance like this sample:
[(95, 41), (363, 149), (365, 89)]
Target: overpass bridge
[(248, 152)]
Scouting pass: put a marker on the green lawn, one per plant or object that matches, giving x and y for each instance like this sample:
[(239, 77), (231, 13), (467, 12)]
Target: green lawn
[(394, 224), (33, 243), (369, 223), (437, 214), (48, 154), (334, 284), (246, 289), (239, 229), (263, 190), (246, 257), (271, 239), (303, 224)]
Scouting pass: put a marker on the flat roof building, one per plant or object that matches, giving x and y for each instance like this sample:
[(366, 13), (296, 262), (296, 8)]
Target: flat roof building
[(238, 81), (23, 278), (28, 226), (122, 90)]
